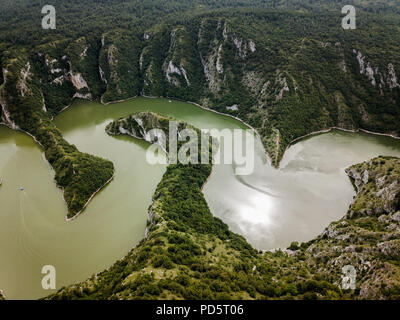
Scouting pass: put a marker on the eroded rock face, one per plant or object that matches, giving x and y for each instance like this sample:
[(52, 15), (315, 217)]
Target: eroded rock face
[(390, 248), (78, 81), (5, 115), (378, 190), (87, 96), (356, 176), (211, 59), (243, 46), (152, 220), (390, 196), (144, 125), (392, 78), (383, 277), (366, 68), (25, 76), (172, 69), (387, 77)]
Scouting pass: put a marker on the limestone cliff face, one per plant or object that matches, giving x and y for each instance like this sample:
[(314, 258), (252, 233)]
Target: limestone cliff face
[(66, 70), (138, 125), (378, 188), (78, 81), (176, 74), (210, 42), (386, 78), (19, 94), (5, 115)]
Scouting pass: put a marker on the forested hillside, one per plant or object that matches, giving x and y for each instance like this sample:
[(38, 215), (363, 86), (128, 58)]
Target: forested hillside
[(20, 17), (285, 72)]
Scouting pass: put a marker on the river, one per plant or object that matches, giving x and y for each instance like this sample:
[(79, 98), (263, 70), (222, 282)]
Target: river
[(271, 207)]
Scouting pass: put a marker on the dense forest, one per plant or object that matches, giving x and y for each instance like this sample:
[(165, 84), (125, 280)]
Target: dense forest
[(77, 18)]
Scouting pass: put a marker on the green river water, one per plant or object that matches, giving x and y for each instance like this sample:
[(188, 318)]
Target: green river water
[(270, 207)]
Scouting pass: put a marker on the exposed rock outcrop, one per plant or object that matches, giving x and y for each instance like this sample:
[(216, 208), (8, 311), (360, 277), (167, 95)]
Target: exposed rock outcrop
[(379, 190), (78, 81)]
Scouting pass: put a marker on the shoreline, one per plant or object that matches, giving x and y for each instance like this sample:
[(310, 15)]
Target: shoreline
[(344, 130), (116, 101), (91, 198), (53, 171), (255, 130), (294, 141), (204, 108), (314, 133)]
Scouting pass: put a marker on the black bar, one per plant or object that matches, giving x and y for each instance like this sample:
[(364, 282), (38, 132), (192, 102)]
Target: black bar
[(202, 309)]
